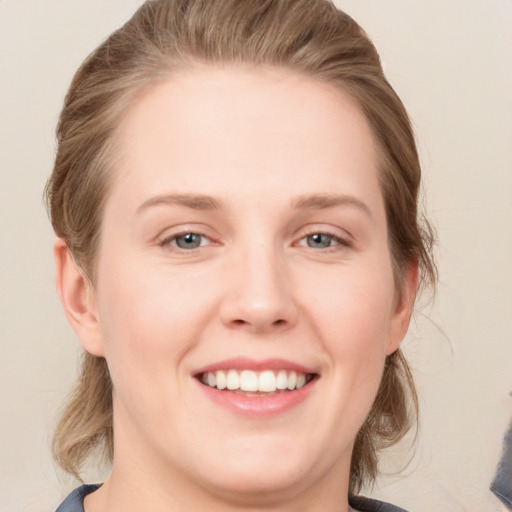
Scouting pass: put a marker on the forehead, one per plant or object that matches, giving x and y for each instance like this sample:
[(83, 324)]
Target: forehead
[(213, 126)]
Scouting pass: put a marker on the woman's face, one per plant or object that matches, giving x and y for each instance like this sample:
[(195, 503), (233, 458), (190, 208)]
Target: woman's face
[(244, 249)]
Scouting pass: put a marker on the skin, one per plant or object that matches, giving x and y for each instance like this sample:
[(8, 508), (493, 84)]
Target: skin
[(257, 141)]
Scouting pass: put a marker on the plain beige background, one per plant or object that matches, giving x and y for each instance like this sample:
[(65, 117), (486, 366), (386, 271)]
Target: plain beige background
[(451, 63)]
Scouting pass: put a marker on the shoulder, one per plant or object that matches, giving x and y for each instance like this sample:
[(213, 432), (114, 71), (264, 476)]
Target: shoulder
[(75, 501), (363, 504)]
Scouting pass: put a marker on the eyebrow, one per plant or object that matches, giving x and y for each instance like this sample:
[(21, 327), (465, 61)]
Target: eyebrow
[(193, 201), (322, 201), (306, 202)]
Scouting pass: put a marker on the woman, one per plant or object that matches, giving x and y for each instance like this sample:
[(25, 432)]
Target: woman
[(235, 200)]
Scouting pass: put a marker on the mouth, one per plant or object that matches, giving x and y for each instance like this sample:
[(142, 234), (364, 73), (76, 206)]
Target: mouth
[(252, 383), (256, 388)]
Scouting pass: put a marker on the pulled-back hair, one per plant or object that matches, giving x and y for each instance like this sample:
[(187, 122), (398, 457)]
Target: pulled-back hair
[(309, 37)]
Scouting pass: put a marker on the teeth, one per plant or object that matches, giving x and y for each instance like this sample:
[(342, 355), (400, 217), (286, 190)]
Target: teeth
[(221, 380), (292, 380), (233, 380), (248, 381), (267, 381), (282, 380)]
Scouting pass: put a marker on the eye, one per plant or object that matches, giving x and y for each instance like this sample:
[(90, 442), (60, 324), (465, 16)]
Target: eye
[(319, 241), (322, 241), (186, 241)]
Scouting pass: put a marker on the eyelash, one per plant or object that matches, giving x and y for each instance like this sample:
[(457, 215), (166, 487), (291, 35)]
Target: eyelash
[(168, 241), (337, 242)]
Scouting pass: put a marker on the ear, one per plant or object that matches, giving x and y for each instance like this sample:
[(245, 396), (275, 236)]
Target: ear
[(78, 299), (403, 308)]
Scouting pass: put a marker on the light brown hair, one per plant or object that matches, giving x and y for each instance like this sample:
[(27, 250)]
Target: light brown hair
[(310, 37)]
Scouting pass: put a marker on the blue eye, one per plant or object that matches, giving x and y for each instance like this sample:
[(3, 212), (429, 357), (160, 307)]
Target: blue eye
[(189, 241), (186, 241), (320, 241)]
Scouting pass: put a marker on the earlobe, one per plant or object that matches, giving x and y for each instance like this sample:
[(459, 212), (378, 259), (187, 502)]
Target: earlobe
[(403, 308), (78, 300)]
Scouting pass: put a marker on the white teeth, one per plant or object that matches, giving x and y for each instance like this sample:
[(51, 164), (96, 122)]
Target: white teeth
[(248, 381), (233, 380), (267, 381), (212, 380), (292, 380), (282, 380), (221, 379)]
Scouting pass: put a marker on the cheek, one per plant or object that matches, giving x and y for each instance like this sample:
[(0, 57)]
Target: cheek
[(351, 317), (354, 326), (354, 311), (149, 321)]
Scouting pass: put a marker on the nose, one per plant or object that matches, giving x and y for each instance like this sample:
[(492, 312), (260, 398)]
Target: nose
[(259, 294)]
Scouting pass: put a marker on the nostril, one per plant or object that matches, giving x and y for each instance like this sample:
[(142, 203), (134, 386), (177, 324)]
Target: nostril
[(238, 322)]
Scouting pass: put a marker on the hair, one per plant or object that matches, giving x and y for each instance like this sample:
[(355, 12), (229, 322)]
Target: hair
[(309, 37)]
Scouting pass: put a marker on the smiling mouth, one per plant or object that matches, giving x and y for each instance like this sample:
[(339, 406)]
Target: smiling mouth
[(251, 383)]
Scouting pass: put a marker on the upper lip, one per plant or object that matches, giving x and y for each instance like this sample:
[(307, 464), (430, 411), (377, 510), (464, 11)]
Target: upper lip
[(245, 363)]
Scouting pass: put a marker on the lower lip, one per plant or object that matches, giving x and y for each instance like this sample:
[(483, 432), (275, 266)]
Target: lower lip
[(270, 405)]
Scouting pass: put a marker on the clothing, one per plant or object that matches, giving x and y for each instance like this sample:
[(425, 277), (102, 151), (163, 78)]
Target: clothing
[(74, 502), (368, 505), (502, 483)]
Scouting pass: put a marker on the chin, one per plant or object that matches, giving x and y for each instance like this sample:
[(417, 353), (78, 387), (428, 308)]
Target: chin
[(258, 485), (261, 472)]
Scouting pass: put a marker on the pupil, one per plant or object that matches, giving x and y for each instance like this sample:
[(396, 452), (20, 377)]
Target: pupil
[(319, 240), (188, 241)]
